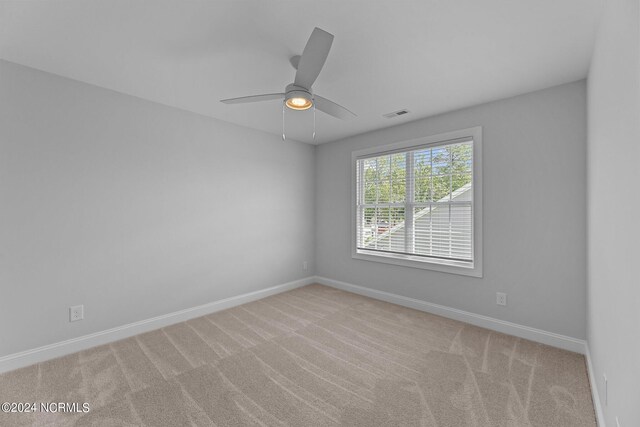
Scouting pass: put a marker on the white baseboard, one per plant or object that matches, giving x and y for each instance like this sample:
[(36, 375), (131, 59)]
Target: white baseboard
[(593, 382), (533, 334), (51, 351)]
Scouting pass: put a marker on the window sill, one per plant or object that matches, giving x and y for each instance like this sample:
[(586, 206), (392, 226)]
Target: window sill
[(443, 266)]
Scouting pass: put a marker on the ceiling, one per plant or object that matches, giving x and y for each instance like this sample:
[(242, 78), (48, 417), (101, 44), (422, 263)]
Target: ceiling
[(426, 56)]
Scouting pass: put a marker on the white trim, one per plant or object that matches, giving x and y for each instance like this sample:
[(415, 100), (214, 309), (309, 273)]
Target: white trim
[(593, 382), (51, 351), (443, 266), (533, 334), (474, 133)]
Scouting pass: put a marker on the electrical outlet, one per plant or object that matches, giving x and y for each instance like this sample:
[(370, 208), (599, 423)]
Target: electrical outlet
[(606, 390), (501, 298), (76, 313), (305, 265)]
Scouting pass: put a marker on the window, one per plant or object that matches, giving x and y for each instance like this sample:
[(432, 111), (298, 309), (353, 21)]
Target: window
[(418, 203)]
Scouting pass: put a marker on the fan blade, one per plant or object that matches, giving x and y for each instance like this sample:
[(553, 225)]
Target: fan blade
[(332, 109), (313, 58), (254, 98)]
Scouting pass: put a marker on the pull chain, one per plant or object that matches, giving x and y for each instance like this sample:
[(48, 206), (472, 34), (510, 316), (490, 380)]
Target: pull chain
[(283, 136)]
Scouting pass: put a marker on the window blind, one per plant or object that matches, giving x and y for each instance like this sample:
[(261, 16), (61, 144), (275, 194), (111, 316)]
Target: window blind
[(417, 202)]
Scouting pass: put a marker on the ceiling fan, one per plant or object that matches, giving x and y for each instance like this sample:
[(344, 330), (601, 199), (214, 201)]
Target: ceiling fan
[(299, 95)]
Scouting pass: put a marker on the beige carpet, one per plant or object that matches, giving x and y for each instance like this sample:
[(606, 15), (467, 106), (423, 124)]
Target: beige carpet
[(314, 356)]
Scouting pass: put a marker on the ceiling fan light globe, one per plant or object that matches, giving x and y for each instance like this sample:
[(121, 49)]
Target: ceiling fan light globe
[(299, 103), (297, 99)]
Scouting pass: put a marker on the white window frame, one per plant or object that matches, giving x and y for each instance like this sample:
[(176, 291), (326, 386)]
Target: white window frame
[(446, 266)]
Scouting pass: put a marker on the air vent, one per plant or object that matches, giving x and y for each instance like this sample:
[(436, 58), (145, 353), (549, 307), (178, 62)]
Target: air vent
[(395, 114)]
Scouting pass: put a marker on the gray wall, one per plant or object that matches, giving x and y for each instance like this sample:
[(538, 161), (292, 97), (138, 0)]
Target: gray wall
[(135, 209), (614, 210), (534, 163)]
